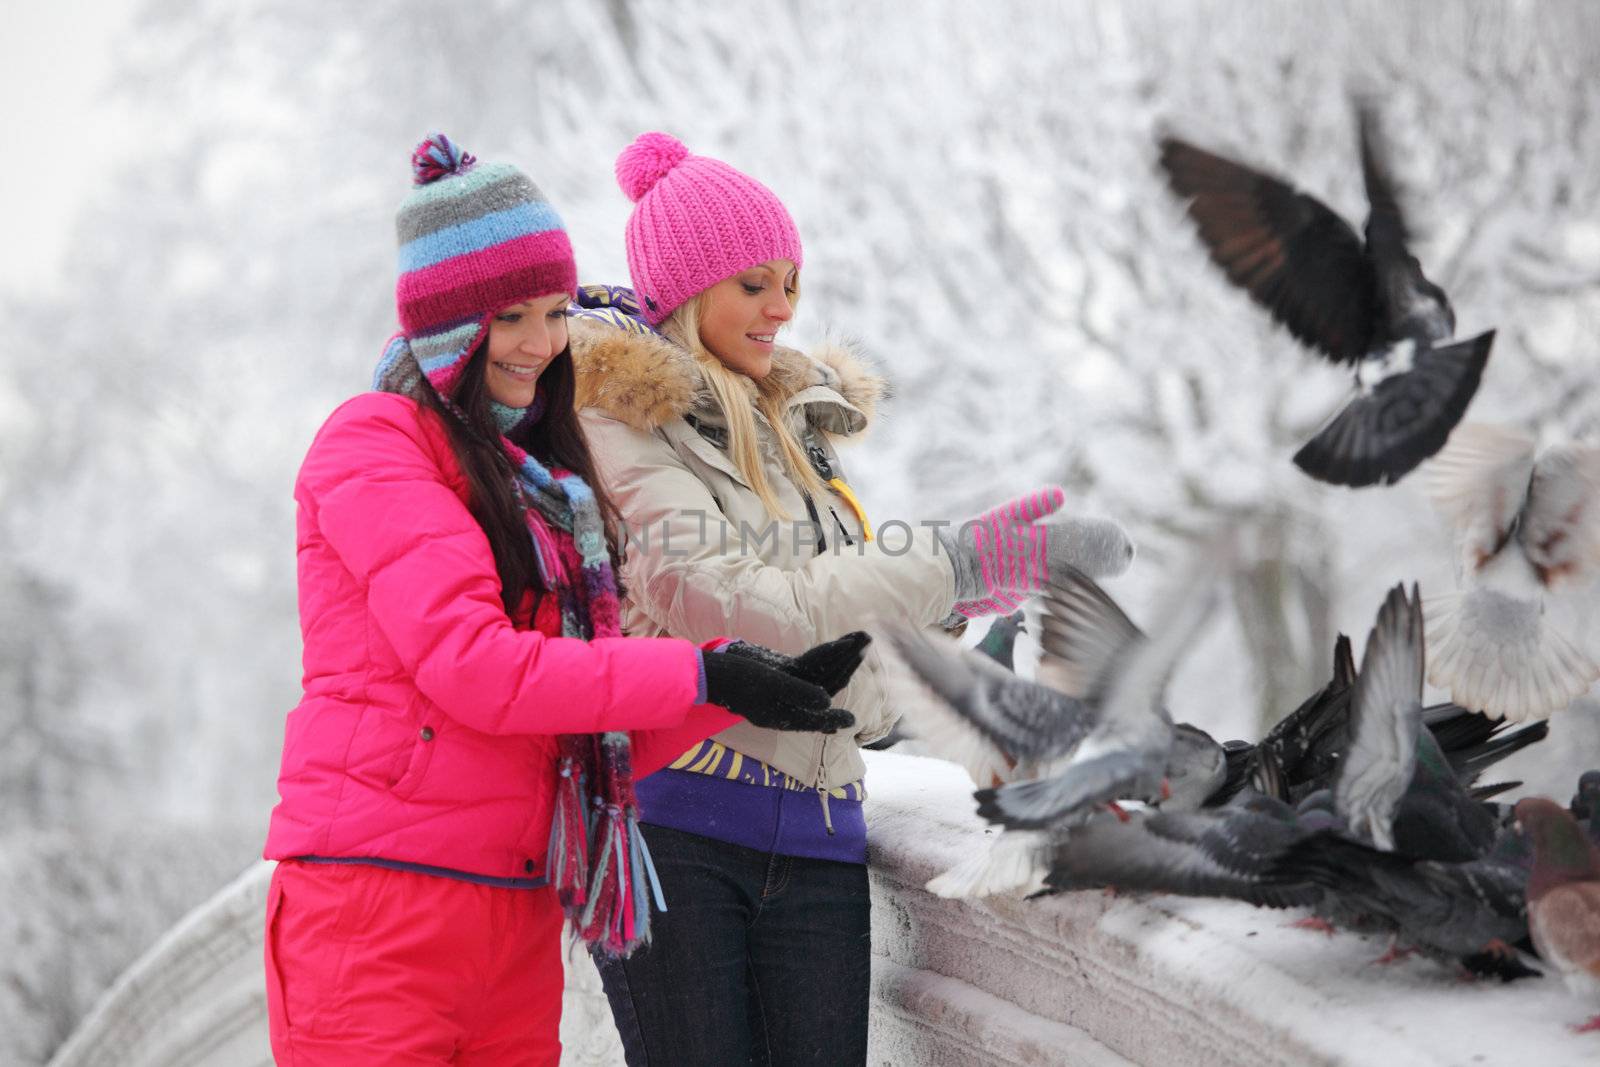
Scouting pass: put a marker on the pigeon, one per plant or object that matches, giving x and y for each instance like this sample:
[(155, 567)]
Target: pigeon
[(1095, 650), (997, 726), (1472, 912), (1002, 728), (1585, 802), (1527, 533), (1408, 850), (1564, 897), (974, 712), (1366, 304), (1197, 770), (1585, 806), (1218, 852), (1000, 642)]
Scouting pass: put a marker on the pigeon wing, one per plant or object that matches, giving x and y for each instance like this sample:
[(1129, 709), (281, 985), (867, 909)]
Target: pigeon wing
[(1289, 251), (1380, 436), (1042, 802), (1478, 483), (972, 711), (1189, 855), (1385, 716), (1083, 635), (1283, 752), (1386, 224)]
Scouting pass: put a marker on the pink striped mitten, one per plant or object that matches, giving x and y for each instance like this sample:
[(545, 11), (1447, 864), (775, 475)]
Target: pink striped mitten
[(1011, 549)]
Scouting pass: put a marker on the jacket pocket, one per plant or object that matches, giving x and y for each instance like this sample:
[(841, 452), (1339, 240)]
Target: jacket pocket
[(411, 764)]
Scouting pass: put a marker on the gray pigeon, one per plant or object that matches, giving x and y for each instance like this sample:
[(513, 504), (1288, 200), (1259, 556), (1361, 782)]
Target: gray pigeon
[(1527, 533), (1471, 912), (1000, 641), (1218, 852), (1095, 651), (968, 709), (1197, 770)]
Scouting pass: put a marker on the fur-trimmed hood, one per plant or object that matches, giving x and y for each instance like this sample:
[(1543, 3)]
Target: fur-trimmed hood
[(646, 380)]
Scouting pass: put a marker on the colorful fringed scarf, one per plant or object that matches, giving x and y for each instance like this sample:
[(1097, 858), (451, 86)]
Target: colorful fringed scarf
[(597, 859)]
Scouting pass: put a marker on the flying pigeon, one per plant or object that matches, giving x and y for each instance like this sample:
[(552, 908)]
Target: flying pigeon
[(1361, 303), (1094, 649), (1527, 533), (1564, 897), (997, 726)]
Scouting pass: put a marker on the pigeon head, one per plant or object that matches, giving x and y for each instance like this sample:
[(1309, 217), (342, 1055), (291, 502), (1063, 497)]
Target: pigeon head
[(1196, 768), (1586, 801), (1561, 852)]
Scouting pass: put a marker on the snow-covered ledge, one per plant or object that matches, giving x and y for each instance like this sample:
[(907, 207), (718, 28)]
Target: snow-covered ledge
[(1083, 979)]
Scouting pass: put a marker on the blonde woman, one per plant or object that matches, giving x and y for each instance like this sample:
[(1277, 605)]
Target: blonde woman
[(717, 446)]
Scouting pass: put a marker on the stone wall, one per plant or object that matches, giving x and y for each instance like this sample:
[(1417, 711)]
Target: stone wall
[(1086, 979)]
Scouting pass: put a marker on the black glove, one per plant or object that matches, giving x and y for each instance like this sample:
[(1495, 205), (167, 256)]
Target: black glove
[(768, 697), (829, 664)]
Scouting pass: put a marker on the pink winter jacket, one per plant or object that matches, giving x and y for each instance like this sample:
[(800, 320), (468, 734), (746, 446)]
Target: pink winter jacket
[(425, 734)]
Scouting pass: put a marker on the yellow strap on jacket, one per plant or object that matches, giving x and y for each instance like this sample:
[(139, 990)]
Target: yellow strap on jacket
[(838, 485)]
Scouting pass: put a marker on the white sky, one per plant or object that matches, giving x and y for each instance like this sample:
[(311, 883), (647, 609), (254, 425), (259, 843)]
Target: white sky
[(53, 58)]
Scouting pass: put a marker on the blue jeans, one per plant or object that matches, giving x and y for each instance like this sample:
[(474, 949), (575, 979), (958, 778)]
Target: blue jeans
[(760, 959)]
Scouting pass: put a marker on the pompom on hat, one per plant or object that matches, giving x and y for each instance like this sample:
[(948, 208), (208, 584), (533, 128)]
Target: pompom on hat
[(474, 238), (695, 221)]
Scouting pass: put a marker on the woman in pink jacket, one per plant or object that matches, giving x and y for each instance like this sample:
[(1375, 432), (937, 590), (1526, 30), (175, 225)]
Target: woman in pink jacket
[(459, 771)]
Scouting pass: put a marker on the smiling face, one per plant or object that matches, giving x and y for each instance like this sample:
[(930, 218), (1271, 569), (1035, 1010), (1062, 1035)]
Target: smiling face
[(523, 339), (741, 315)]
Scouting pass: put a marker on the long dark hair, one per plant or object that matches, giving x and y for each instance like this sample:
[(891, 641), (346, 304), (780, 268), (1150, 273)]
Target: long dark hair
[(555, 439)]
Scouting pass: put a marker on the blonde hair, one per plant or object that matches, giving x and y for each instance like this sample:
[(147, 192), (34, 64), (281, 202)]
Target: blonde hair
[(728, 389)]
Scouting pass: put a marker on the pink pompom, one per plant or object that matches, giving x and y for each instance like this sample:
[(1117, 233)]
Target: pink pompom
[(436, 157), (646, 161)]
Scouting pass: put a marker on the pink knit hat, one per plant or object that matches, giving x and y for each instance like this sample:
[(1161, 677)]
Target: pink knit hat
[(695, 221)]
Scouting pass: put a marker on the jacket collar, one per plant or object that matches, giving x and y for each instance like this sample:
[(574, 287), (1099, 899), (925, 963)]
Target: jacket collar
[(646, 381)]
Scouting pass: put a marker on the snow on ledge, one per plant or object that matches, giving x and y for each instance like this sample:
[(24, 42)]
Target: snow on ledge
[(1082, 979)]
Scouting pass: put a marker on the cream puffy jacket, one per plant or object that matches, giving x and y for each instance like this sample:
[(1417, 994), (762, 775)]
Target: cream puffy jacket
[(705, 559)]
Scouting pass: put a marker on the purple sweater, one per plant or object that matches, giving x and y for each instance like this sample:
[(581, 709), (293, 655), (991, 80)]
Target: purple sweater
[(733, 798)]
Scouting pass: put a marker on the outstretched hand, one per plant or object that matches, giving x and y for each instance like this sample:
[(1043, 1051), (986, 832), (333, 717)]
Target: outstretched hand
[(769, 697), (829, 665), (1008, 553)]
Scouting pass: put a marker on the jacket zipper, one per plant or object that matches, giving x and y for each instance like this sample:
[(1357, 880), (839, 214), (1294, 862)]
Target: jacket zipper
[(822, 790)]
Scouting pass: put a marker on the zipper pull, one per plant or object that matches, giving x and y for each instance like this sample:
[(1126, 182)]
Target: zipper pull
[(838, 486), (819, 462), (822, 788)]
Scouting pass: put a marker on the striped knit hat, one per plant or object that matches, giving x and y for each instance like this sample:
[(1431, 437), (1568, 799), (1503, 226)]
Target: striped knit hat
[(474, 238), (695, 221)]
